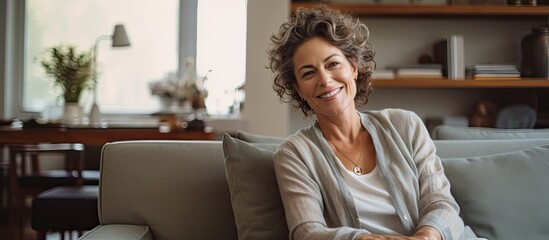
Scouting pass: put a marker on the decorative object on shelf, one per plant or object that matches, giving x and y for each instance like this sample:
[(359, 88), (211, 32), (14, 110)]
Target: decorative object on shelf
[(485, 114), (522, 2), (71, 71), (119, 39), (166, 89), (187, 93), (535, 53)]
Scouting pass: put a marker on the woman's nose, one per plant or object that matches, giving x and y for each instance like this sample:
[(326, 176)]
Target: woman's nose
[(324, 77)]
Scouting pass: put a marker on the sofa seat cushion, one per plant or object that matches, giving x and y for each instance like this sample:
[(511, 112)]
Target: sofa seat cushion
[(119, 231), (255, 198), (503, 196)]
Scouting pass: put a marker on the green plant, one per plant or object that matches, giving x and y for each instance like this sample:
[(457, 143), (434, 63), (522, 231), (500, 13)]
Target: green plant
[(70, 69)]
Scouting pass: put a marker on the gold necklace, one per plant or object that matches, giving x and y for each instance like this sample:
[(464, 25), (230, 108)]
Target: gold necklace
[(356, 169)]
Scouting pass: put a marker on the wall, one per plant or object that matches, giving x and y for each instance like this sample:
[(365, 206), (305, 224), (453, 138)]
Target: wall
[(263, 113), (3, 18)]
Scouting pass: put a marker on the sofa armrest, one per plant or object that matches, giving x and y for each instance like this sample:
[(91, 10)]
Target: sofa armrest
[(118, 231)]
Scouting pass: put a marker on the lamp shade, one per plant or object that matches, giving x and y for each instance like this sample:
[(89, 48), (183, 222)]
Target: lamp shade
[(119, 37)]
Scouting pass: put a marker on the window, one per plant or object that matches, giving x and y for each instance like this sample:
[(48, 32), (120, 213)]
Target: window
[(153, 28), (221, 48)]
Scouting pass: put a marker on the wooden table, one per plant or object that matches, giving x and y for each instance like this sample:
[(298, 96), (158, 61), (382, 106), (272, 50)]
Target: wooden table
[(94, 136)]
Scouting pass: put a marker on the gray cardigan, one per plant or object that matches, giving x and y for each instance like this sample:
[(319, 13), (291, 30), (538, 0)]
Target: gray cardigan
[(318, 203)]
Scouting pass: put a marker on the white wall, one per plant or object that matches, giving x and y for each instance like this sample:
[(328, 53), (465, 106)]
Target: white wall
[(263, 112), (3, 18)]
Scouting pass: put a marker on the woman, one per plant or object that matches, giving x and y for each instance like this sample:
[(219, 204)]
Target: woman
[(352, 175)]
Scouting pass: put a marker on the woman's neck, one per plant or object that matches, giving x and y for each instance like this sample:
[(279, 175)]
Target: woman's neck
[(344, 127)]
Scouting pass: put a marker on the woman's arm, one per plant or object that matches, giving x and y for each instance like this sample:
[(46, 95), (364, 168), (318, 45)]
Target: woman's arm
[(429, 233), (438, 211), (387, 237)]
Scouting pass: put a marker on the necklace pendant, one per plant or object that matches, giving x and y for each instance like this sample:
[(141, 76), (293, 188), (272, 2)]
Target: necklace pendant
[(357, 170)]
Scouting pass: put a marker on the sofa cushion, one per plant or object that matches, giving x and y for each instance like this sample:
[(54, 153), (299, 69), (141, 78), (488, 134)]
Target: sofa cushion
[(445, 132), (257, 138), (503, 196), (255, 198), (119, 231)]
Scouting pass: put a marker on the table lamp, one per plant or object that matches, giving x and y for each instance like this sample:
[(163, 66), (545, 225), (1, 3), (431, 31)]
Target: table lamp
[(119, 39)]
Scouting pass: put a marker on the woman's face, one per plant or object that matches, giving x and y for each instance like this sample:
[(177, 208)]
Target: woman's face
[(325, 78)]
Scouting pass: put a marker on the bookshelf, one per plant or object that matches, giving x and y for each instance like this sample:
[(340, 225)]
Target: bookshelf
[(518, 13), (533, 91)]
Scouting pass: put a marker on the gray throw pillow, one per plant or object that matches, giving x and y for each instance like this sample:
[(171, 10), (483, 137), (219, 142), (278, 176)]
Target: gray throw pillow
[(503, 196), (256, 138), (255, 198)]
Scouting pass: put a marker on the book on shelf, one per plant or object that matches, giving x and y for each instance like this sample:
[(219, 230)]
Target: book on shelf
[(495, 72), (449, 52), (494, 66), (497, 75), (496, 78), (383, 73), (455, 57), (418, 71)]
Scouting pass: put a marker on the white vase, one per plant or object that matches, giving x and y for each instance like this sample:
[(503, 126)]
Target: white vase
[(73, 114), (95, 115), (166, 103)]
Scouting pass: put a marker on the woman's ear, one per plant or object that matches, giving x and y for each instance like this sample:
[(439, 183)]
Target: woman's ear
[(354, 68), (298, 91)]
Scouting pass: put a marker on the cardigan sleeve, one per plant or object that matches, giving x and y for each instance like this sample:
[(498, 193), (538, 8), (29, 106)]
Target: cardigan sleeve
[(302, 199), (437, 207)]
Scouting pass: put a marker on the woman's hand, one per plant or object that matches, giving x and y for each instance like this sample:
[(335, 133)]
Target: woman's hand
[(389, 237), (429, 232)]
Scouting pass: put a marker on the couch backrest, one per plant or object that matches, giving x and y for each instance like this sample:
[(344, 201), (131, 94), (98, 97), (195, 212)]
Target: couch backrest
[(445, 132), (473, 148), (177, 188)]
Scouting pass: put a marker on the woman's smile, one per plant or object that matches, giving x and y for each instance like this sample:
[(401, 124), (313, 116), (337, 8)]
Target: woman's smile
[(331, 93)]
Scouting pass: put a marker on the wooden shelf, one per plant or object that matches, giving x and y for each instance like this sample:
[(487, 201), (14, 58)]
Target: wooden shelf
[(435, 10), (440, 83)]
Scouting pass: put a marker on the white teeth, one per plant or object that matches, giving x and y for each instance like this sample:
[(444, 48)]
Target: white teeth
[(330, 94)]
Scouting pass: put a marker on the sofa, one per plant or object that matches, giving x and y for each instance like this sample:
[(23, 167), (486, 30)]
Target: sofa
[(227, 189)]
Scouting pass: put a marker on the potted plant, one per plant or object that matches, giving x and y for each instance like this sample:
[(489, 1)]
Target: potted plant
[(72, 72)]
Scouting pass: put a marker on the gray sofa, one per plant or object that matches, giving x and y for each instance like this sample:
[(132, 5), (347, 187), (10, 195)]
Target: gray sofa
[(227, 189)]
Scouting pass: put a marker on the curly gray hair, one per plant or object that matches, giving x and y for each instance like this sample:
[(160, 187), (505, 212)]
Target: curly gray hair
[(341, 30)]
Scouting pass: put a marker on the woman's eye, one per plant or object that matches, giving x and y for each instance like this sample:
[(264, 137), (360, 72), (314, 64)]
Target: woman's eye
[(306, 74), (332, 64)]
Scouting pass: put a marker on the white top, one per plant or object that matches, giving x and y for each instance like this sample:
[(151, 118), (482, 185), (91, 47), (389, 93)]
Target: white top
[(373, 203)]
